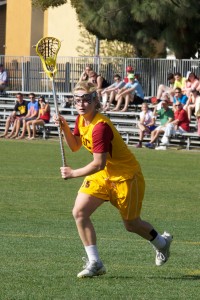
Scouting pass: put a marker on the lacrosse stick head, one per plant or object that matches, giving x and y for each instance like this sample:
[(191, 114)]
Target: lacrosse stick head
[(47, 49)]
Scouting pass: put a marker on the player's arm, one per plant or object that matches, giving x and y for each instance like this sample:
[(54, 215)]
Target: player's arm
[(98, 164), (73, 141)]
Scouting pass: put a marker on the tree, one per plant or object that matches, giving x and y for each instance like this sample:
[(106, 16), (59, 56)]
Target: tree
[(107, 48), (142, 23)]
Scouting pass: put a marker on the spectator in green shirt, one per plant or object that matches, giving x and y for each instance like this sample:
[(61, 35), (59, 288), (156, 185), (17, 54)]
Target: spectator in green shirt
[(166, 116)]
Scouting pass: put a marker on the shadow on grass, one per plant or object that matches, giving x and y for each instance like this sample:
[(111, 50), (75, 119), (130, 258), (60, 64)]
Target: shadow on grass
[(181, 277)]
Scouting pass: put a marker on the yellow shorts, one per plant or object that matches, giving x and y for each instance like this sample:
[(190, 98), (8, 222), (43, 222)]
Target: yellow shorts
[(126, 196)]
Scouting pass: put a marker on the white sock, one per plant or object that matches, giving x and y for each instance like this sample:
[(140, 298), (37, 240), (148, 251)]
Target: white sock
[(92, 253), (159, 242)]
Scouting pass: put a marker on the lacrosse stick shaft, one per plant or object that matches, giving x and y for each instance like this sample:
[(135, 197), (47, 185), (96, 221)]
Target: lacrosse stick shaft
[(59, 127)]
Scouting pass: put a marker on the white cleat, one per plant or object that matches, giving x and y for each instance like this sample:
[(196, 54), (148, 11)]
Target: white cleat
[(91, 269), (163, 254)]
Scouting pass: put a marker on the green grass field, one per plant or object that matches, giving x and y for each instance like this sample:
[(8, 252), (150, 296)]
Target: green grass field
[(40, 249)]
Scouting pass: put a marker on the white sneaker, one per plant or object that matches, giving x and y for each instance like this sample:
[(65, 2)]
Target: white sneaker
[(165, 141), (163, 254), (161, 148), (94, 268)]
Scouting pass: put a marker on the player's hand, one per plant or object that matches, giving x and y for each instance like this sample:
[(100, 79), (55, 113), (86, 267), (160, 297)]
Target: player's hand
[(66, 172), (59, 120)]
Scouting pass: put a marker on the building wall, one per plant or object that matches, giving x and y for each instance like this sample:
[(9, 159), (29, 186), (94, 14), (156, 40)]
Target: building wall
[(2, 28), (25, 25), (62, 23)]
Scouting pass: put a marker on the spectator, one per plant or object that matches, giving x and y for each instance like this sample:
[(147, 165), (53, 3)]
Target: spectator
[(85, 75), (146, 123), (166, 116), (31, 115), (131, 92), (197, 114), (191, 83), (99, 81), (3, 78), (129, 70), (190, 104), (111, 91), (166, 89), (179, 125), (179, 81), (42, 119), (178, 96), (20, 110)]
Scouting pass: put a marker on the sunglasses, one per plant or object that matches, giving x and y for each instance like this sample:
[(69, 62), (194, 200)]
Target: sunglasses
[(178, 105)]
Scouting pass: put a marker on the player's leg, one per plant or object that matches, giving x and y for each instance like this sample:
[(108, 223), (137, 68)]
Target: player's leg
[(84, 206), (130, 211)]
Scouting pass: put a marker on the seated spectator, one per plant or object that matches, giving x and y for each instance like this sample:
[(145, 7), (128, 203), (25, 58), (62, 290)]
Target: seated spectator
[(129, 70), (42, 119), (179, 125), (99, 81), (31, 115), (178, 96), (190, 104), (197, 114), (162, 89), (179, 81), (131, 92), (85, 75), (191, 83), (3, 78), (166, 116), (20, 110), (146, 123), (111, 91)]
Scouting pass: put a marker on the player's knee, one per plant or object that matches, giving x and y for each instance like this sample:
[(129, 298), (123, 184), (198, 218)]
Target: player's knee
[(132, 226), (77, 214)]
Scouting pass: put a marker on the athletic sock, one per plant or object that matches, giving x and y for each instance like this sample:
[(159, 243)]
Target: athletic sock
[(92, 253), (158, 240)]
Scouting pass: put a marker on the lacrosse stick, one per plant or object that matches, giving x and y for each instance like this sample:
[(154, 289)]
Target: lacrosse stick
[(47, 49)]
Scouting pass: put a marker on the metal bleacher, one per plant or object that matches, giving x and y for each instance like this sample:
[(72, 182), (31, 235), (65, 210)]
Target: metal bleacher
[(125, 122)]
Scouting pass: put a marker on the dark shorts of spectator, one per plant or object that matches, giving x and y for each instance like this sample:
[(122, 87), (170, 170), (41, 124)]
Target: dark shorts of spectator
[(45, 121), (137, 100), (151, 128)]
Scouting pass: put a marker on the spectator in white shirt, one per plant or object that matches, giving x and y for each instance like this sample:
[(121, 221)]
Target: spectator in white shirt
[(3, 78)]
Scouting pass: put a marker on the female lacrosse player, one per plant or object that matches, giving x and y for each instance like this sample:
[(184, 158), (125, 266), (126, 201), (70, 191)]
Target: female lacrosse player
[(113, 175)]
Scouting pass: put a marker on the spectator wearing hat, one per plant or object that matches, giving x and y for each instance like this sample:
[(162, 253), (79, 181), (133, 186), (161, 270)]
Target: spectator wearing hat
[(131, 92), (129, 70), (3, 78)]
